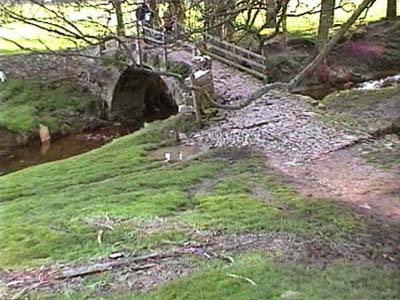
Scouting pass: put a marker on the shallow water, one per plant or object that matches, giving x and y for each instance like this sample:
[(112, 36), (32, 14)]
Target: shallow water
[(178, 153), (320, 92), (16, 158), (378, 84)]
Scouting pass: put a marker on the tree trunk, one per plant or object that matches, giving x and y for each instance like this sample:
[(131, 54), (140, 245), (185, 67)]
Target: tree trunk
[(153, 4), (219, 19), (228, 27), (120, 17), (325, 21), (332, 43), (270, 13), (208, 15), (178, 9), (284, 17), (391, 10)]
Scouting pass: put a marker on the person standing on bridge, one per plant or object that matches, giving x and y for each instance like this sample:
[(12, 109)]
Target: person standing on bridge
[(144, 15)]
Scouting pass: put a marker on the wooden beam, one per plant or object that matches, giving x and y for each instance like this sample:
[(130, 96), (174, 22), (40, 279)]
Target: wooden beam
[(234, 64), (235, 47), (152, 30), (238, 57), (153, 40)]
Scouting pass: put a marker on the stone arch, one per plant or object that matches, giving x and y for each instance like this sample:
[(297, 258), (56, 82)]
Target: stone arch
[(140, 95)]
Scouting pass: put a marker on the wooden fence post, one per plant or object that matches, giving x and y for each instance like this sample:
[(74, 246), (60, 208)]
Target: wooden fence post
[(164, 65), (139, 56), (196, 105)]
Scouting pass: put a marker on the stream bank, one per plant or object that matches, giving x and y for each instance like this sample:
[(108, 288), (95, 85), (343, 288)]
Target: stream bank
[(16, 157), (369, 52)]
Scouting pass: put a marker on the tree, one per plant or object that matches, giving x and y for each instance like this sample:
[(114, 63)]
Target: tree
[(391, 10), (120, 17), (325, 20)]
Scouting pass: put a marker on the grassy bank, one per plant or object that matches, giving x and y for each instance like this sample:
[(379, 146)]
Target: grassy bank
[(44, 209), (376, 112), (48, 214), (271, 280), (25, 104)]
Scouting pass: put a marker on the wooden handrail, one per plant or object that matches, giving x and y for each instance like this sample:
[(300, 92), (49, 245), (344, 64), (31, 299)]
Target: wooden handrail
[(235, 47), (236, 65), (238, 57)]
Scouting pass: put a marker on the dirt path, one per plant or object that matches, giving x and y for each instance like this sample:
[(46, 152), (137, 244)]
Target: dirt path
[(321, 159)]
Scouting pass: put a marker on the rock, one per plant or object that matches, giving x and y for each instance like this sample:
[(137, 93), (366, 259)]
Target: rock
[(44, 133), (291, 295), (3, 77), (65, 129), (185, 109), (182, 136), (23, 139), (365, 206), (116, 255)]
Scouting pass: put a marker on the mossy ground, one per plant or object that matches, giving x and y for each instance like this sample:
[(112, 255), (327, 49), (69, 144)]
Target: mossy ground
[(356, 102), (338, 280), (375, 112), (45, 211), (26, 104)]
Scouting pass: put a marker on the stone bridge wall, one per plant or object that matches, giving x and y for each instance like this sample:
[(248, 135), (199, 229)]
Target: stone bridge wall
[(63, 67)]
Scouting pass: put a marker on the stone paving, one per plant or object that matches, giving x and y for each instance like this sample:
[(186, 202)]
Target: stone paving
[(279, 124)]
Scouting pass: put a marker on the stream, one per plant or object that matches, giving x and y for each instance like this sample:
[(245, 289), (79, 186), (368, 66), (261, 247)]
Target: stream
[(321, 91), (18, 157)]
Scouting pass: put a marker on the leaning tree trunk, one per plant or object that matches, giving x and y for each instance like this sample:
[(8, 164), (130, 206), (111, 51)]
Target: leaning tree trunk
[(331, 44), (309, 68), (391, 10), (325, 21)]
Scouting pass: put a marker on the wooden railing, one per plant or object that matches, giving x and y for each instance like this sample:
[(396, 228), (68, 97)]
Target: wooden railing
[(153, 35), (235, 56), (228, 53)]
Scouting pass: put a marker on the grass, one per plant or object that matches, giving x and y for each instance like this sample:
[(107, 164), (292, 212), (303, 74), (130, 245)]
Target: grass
[(308, 24), (385, 157), (44, 208), (36, 44), (24, 105), (45, 211), (273, 280), (364, 111), (355, 101), (337, 280)]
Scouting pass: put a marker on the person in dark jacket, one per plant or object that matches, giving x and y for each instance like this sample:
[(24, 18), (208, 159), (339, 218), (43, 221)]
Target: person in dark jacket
[(142, 11)]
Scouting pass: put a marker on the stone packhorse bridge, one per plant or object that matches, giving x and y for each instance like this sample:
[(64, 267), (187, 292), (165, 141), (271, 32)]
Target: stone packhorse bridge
[(125, 92), (128, 92)]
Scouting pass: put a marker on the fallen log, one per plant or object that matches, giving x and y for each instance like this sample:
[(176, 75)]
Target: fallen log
[(101, 267)]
